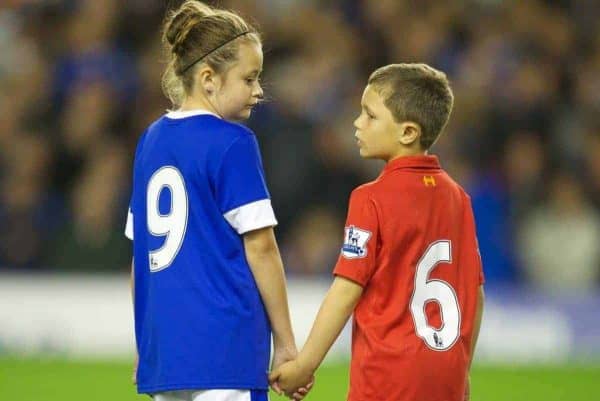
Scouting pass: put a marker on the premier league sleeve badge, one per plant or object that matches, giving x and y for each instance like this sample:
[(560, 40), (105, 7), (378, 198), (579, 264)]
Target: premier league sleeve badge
[(355, 242)]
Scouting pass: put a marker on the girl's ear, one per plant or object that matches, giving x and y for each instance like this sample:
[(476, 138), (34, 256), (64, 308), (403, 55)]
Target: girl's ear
[(206, 79)]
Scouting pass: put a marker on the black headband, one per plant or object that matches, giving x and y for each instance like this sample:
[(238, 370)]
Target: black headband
[(212, 50)]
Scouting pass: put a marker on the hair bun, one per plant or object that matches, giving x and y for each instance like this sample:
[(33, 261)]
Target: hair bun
[(181, 22)]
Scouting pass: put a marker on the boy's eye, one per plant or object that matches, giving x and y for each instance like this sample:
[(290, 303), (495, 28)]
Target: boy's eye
[(370, 115)]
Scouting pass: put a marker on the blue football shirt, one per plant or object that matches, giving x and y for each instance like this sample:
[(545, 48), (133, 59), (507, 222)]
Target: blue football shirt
[(198, 185)]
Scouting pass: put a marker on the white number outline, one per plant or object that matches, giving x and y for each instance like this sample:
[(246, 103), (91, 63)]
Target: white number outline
[(157, 208), (445, 283)]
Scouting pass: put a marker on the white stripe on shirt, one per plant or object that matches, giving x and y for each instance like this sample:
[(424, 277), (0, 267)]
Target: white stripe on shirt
[(251, 216), (129, 225)]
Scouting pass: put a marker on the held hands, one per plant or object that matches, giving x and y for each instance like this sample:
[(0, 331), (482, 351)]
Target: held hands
[(293, 379), (281, 355)]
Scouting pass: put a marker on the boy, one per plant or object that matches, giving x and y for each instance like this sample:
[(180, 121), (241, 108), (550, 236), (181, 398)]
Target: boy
[(409, 267)]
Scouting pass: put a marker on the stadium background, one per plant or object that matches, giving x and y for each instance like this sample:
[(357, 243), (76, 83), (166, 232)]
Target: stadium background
[(80, 80)]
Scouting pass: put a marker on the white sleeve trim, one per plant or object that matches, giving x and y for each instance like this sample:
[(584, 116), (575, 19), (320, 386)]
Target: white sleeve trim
[(251, 216), (129, 225)]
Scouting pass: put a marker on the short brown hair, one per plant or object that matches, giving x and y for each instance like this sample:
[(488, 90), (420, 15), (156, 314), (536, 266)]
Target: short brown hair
[(197, 33), (417, 93)]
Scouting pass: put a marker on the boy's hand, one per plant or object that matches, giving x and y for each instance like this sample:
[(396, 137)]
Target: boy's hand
[(292, 379)]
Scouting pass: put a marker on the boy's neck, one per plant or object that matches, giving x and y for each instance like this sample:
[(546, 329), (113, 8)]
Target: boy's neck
[(407, 152)]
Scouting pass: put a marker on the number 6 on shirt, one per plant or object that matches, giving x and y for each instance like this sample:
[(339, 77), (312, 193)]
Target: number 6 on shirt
[(171, 225), (439, 291)]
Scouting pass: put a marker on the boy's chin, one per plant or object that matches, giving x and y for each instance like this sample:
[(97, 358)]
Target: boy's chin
[(366, 155)]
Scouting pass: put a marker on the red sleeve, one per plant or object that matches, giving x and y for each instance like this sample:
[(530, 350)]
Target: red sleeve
[(357, 260)]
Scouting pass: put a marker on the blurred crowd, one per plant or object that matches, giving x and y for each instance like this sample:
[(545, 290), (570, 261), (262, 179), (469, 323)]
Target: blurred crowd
[(80, 81)]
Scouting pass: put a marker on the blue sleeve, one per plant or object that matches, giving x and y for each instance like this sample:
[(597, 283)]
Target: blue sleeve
[(241, 191), (240, 178), (132, 203)]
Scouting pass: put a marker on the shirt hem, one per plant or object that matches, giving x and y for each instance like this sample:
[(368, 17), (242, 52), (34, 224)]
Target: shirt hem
[(199, 386)]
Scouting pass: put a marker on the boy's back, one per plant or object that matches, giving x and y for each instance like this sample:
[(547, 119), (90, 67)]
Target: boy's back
[(410, 242), (409, 268)]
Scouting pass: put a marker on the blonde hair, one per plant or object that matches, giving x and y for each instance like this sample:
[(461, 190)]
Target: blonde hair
[(417, 93), (196, 33)]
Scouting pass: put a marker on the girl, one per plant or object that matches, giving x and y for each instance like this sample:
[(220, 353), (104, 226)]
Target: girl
[(208, 279)]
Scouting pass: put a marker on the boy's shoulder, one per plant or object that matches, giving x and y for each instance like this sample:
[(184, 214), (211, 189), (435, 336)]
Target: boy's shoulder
[(455, 185), (372, 191), (377, 187), (364, 191), (385, 186)]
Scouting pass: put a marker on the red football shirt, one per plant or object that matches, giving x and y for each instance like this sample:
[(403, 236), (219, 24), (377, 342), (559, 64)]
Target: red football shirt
[(410, 242)]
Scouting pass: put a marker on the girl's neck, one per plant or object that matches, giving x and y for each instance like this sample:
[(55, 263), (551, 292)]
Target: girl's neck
[(195, 103)]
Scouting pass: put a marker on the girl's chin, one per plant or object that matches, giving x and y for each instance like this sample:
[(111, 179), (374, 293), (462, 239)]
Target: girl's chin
[(242, 115), (245, 113)]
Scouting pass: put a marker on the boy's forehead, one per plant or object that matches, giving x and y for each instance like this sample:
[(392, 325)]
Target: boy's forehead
[(371, 96)]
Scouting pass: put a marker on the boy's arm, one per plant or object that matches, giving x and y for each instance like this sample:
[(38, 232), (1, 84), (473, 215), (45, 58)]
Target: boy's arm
[(476, 327), (265, 263), (336, 309), (477, 324), (338, 305)]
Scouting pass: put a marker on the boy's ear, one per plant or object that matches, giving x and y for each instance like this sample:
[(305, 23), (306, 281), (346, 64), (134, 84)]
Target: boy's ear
[(409, 133)]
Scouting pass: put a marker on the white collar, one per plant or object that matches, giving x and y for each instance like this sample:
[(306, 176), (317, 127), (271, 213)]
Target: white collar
[(177, 114)]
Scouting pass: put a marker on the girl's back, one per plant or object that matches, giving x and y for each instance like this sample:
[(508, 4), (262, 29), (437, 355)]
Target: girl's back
[(208, 280), (196, 303)]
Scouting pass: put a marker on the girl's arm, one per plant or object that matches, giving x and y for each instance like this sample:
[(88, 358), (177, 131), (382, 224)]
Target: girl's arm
[(132, 286), (265, 262)]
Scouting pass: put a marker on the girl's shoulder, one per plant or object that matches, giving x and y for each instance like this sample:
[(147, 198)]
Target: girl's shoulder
[(203, 121)]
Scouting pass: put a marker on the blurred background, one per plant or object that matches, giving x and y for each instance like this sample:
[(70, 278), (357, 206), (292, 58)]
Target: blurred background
[(80, 81)]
